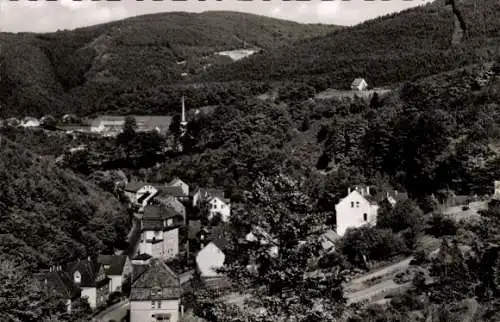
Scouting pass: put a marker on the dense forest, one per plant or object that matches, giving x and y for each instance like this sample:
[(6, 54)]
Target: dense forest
[(419, 46), (74, 71)]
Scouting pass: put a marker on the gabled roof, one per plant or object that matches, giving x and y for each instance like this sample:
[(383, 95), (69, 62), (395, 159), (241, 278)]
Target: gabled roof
[(158, 212), (116, 264), (88, 269), (221, 243), (358, 81), (174, 191), (158, 276), (134, 186), (210, 192), (59, 283)]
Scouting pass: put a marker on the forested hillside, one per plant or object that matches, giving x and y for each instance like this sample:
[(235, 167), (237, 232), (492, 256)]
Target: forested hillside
[(49, 215), (390, 49), (77, 70)]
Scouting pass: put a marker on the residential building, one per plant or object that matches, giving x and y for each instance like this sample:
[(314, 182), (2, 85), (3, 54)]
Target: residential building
[(59, 283), (160, 232), (216, 202), (174, 191), (358, 208), (109, 125), (210, 258), (117, 268), (176, 182), (155, 295), (30, 122), (359, 84), (170, 201)]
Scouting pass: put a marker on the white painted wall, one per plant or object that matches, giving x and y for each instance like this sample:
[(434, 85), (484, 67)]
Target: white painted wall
[(209, 259), (141, 311), (115, 285), (350, 210), (91, 294), (219, 206)]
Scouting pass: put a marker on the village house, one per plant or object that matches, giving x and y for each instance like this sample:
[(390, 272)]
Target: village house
[(83, 278), (359, 84), (211, 258), (199, 235), (155, 295), (117, 268), (164, 198), (328, 240), (360, 207), (30, 122), (216, 202), (57, 282), (160, 232)]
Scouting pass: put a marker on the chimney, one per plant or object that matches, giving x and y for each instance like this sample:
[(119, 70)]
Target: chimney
[(164, 223), (349, 190), (367, 190), (50, 269), (183, 115)]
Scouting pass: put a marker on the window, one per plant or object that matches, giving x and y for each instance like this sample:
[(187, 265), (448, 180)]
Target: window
[(357, 204), (170, 222), (365, 217), (352, 204)]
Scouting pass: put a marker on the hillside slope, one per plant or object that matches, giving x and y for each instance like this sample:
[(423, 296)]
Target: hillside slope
[(71, 70), (49, 215), (402, 46)]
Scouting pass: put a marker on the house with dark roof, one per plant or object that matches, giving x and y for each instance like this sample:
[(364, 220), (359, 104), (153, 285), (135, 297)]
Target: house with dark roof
[(360, 207), (90, 277), (170, 202), (160, 231), (216, 202), (117, 268), (155, 294), (140, 192)]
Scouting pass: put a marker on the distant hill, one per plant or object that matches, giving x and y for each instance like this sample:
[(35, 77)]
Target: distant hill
[(49, 215), (77, 70), (403, 46)]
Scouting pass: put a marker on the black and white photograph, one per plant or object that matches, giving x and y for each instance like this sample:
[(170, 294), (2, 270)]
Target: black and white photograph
[(249, 161)]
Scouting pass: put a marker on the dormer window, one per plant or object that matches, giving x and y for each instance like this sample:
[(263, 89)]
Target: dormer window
[(77, 277)]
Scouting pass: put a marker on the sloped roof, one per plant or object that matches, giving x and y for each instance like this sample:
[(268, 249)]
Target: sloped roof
[(158, 212), (221, 243), (358, 81), (157, 276), (174, 191), (116, 263), (142, 257), (134, 186), (88, 270), (210, 192), (59, 283)]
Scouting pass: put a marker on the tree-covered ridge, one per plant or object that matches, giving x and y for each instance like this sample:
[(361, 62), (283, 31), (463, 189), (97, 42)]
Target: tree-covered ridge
[(42, 73), (49, 215), (386, 50)]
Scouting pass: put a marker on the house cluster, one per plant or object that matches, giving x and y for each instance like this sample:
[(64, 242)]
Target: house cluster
[(92, 278), (160, 216)]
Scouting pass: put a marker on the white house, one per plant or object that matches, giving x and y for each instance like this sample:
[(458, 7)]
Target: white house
[(359, 84), (358, 208), (117, 268), (217, 203), (210, 258), (90, 277), (140, 192), (155, 295), (30, 122)]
